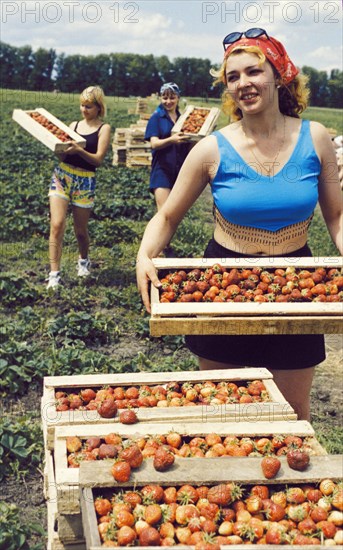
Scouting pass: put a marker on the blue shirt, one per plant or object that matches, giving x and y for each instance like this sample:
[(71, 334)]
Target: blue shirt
[(166, 162), (245, 197)]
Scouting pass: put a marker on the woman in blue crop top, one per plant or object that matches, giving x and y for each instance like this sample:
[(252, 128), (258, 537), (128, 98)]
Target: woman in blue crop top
[(267, 171), (73, 181)]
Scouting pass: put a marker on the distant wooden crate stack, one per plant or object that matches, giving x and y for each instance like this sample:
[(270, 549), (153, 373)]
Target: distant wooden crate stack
[(25, 120), (129, 146)]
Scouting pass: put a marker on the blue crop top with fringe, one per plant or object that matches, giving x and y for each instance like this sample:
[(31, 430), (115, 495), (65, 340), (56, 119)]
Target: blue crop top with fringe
[(245, 197)]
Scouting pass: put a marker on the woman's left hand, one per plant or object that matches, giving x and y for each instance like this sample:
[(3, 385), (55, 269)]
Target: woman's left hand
[(73, 148)]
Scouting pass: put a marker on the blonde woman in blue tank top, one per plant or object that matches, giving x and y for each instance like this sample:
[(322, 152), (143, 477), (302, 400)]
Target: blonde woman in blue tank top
[(73, 182), (267, 171)]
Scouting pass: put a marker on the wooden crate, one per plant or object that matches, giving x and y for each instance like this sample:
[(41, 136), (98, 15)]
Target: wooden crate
[(42, 134), (64, 532), (207, 127), (249, 317), (208, 472), (67, 479), (275, 409), (64, 520)]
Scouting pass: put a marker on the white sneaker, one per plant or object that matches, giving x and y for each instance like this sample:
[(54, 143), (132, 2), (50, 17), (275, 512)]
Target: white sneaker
[(83, 268), (54, 279)]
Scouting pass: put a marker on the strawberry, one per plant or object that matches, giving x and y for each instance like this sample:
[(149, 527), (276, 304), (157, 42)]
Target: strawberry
[(126, 536), (107, 451), (121, 471), (107, 408), (270, 466), (73, 444), (102, 506), (298, 459), (219, 494), (87, 395), (133, 455), (128, 417), (163, 459), (152, 514), (149, 536)]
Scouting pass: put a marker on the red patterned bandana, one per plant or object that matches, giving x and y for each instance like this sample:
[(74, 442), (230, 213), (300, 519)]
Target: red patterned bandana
[(274, 52)]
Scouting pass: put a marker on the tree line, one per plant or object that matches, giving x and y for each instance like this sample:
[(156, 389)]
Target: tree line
[(124, 74)]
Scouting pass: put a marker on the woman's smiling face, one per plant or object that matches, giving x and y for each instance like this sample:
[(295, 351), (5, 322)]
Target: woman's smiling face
[(251, 84)]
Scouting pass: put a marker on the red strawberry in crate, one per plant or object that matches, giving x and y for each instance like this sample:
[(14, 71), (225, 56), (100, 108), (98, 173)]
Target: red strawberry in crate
[(298, 459), (163, 459), (270, 466)]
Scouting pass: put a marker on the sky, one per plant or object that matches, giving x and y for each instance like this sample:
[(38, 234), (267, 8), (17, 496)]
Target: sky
[(311, 30)]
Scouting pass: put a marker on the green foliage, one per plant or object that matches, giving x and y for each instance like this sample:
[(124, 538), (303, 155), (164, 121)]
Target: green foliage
[(86, 327), (18, 367), (16, 290), (319, 238), (16, 534), (21, 447), (69, 360)]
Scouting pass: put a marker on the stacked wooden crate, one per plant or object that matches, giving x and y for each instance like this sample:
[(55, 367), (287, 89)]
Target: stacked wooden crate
[(141, 106), (119, 147), (71, 516), (61, 483), (71, 491), (138, 151), (129, 146)]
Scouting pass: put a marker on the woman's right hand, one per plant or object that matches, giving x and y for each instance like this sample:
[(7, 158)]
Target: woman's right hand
[(180, 137), (146, 273)]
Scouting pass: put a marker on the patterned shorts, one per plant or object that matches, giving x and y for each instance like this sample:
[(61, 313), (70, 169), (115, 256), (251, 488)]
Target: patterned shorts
[(74, 185)]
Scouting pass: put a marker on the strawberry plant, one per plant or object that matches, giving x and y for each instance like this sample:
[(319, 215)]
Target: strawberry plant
[(16, 534), (21, 447), (82, 326), (16, 290)]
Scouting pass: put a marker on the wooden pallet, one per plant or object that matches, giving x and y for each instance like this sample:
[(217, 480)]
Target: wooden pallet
[(207, 127), (208, 472), (245, 318), (67, 479), (42, 134), (275, 409)]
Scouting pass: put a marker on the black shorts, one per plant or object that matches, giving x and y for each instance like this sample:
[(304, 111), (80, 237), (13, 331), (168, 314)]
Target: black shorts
[(273, 351)]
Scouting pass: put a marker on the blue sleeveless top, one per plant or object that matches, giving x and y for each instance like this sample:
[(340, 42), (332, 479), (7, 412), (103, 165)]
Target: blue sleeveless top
[(245, 197)]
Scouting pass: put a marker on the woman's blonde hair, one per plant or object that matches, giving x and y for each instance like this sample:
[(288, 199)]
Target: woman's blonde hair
[(94, 94), (293, 97)]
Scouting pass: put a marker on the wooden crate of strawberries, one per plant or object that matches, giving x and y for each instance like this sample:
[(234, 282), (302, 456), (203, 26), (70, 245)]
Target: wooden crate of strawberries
[(75, 444), (232, 395), (47, 128), (196, 122), (248, 296), (200, 502)]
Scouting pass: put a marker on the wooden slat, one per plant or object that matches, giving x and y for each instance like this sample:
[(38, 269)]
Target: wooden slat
[(90, 525), (267, 262), (161, 326), (150, 378), (211, 471), (232, 309)]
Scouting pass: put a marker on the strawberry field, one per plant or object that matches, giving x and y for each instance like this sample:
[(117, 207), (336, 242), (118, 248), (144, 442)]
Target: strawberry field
[(96, 325)]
